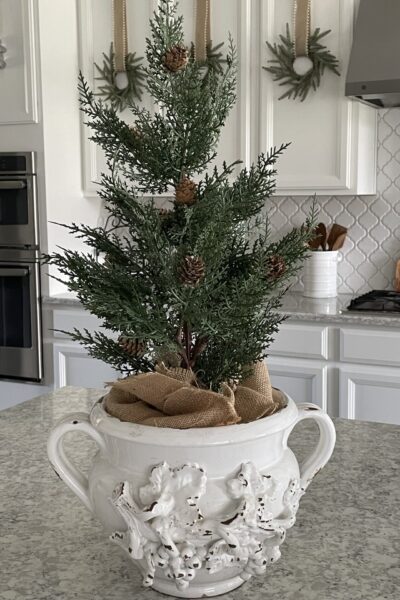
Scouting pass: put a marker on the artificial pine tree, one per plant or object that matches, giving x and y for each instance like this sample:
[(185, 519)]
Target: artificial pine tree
[(197, 285)]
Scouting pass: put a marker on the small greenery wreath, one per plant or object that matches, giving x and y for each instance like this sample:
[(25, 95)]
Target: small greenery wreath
[(282, 65), (215, 57), (121, 99)]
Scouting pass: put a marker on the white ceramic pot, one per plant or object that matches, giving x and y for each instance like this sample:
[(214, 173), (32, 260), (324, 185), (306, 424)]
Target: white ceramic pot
[(201, 510), (320, 274)]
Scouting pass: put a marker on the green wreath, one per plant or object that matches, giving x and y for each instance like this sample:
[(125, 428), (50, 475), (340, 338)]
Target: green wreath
[(215, 57), (282, 65), (120, 99)]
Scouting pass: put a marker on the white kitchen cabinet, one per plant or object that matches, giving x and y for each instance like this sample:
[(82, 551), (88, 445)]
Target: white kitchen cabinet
[(350, 370), (18, 98), (303, 381), (74, 366), (333, 139), (228, 17), (305, 340), (370, 346), (356, 376), (370, 394)]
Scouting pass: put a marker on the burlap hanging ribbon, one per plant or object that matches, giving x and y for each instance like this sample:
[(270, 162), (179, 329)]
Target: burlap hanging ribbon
[(120, 35), (302, 24), (169, 398), (203, 29)]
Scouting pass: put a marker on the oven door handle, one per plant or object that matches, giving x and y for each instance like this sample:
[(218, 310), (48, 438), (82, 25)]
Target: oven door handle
[(14, 272), (13, 185)]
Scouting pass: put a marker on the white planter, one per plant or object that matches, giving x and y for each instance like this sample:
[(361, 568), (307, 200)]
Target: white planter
[(320, 274), (199, 511)]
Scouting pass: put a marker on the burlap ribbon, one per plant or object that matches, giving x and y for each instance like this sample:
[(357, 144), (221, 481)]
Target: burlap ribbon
[(120, 35), (169, 398), (203, 29), (302, 17)]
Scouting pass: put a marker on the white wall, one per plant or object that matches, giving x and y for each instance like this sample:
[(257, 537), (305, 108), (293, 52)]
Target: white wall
[(59, 57)]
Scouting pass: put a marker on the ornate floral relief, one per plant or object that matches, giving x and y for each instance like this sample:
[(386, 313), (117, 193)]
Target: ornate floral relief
[(167, 530)]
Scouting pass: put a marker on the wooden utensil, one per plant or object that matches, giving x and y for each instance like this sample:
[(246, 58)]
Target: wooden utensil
[(320, 237), (397, 282), (338, 243), (335, 232)]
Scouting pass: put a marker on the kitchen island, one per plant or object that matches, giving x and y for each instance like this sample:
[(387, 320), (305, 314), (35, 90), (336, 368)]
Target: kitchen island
[(344, 546)]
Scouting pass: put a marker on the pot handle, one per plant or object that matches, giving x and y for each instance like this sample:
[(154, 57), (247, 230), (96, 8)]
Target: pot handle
[(326, 443), (71, 475)]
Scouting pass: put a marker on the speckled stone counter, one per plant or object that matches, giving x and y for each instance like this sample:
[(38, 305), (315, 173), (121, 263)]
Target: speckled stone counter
[(334, 310), (296, 307), (344, 546)]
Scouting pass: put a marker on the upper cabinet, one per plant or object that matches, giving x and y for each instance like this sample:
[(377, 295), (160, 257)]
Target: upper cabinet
[(228, 17), (333, 139), (18, 99)]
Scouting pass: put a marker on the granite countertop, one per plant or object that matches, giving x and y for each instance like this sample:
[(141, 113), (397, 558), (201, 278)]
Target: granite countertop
[(334, 310), (297, 307), (344, 546)]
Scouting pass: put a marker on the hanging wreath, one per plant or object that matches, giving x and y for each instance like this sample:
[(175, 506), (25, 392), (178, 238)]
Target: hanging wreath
[(121, 73), (300, 63), (214, 59), (120, 91)]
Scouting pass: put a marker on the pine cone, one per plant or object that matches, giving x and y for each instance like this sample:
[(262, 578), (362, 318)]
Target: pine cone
[(176, 58), (192, 270), (185, 192), (276, 266), (133, 347)]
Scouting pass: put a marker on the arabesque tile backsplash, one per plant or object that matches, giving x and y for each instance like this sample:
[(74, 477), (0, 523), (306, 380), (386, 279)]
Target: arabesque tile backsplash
[(373, 244)]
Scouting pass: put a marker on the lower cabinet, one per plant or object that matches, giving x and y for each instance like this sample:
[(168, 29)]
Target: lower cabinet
[(370, 394), (74, 366), (349, 371), (302, 381)]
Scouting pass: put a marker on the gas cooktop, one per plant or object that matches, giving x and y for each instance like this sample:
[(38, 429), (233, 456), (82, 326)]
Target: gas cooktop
[(377, 301)]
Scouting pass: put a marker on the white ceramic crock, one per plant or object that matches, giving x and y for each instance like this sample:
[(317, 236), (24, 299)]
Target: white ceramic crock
[(320, 274), (201, 510)]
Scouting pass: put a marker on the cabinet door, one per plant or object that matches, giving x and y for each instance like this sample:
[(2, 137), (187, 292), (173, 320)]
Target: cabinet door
[(73, 366), (302, 380), (228, 17), (370, 394), (333, 139), (18, 98)]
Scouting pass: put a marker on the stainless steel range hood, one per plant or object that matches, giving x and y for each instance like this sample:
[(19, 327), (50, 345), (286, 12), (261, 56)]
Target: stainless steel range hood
[(373, 75)]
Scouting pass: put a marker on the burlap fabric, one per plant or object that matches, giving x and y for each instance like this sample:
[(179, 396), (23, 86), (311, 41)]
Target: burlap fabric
[(170, 398)]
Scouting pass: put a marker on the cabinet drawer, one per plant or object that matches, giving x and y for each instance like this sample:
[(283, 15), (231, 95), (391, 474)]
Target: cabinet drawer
[(369, 346), (309, 341), (67, 320)]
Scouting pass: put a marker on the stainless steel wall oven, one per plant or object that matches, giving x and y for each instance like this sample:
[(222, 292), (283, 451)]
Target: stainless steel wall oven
[(20, 306)]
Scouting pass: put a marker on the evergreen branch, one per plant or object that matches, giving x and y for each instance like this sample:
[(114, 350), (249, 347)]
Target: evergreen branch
[(223, 319)]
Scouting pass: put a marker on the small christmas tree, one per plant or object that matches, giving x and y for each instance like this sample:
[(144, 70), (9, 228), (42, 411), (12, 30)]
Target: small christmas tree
[(197, 285)]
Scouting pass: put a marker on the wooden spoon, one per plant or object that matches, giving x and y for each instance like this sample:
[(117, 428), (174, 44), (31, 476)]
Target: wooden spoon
[(397, 281), (335, 232), (320, 237), (338, 243)]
